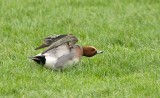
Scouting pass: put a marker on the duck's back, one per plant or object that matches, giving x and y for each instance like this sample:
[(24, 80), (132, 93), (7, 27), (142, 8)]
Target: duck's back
[(59, 51)]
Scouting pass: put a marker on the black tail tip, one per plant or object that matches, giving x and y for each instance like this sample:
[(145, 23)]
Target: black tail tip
[(38, 59), (30, 57)]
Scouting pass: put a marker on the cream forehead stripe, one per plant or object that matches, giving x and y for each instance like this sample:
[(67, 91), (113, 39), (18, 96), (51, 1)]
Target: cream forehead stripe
[(92, 47)]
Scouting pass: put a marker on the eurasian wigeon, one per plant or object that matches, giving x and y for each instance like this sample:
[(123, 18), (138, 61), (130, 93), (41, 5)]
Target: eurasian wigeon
[(62, 52)]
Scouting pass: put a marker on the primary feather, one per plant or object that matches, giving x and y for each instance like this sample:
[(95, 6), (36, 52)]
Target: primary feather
[(51, 39), (70, 39)]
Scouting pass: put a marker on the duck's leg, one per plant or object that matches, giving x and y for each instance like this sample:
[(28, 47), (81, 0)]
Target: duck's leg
[(62, 70)]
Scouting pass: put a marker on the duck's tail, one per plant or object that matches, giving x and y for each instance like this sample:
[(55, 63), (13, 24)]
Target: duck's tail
[(39, 59)]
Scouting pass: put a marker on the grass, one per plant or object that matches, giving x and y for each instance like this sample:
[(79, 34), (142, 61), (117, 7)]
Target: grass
[(127, 30)]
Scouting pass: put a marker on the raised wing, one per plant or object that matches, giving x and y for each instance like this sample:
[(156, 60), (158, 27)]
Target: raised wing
[(51, 39), (70, 39)]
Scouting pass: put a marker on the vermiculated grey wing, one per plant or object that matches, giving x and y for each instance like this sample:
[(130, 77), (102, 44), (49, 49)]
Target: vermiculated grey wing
[(51, 39), (64, 59)]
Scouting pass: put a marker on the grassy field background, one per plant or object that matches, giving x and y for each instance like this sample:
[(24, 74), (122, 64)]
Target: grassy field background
[(128, 31)]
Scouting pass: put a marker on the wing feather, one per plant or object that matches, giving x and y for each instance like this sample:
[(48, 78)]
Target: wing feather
[(51, 39), (67, 39)]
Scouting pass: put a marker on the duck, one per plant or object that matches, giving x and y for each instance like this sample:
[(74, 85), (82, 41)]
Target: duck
[(62, 52)]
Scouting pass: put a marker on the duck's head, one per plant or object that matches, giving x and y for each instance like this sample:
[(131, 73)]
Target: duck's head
[(90, 51)]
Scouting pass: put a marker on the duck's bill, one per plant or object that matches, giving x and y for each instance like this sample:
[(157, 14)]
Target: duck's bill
[(99, 51)]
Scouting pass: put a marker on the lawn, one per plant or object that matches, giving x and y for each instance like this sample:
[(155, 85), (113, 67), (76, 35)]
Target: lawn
[(128, 31)]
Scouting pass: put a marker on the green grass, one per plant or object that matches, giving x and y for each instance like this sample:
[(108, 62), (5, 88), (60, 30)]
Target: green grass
[(127, 30)]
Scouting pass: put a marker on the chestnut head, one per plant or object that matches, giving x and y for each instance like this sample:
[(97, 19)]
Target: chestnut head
[(90, 51)]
